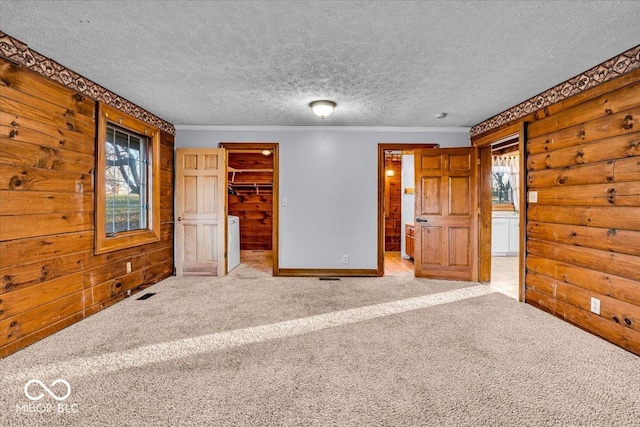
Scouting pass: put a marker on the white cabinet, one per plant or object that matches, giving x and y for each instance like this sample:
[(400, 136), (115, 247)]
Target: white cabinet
[(514, 235), (500, 235), (505, 235)]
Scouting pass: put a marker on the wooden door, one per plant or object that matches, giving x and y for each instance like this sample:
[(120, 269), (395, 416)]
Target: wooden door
[(200, 225), (446, 220)]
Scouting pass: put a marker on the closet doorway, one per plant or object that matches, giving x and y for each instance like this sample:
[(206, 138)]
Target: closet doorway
[(252, 201)]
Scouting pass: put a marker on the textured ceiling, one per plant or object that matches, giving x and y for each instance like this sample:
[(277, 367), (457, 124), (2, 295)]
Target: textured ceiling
[(384, 63)]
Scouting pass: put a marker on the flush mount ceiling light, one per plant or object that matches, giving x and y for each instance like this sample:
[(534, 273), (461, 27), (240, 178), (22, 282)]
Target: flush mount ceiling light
[(322, 108), (441, 115)]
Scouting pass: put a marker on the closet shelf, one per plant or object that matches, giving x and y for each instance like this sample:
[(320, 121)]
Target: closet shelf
[(250, 185), (233, 171)]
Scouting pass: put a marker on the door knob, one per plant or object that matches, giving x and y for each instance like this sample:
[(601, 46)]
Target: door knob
[(420, 220), (179, 218)]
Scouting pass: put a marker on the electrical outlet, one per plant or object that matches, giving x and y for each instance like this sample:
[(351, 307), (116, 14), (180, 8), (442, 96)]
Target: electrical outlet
[(533, 197), (595, 305), (345, 259), (129, 267)]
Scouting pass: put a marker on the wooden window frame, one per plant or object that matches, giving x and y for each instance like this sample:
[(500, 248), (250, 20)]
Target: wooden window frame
[(126, 239)]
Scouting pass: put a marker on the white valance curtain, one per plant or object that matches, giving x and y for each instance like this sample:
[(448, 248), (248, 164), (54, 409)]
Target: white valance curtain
[(512, 164)]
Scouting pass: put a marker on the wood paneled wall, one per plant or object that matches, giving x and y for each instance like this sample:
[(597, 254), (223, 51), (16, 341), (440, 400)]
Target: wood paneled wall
[(393, 217), (253, 204), (583, 234), (49, 275)]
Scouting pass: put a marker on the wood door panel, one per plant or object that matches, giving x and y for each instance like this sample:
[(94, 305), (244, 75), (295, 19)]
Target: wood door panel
[(459, 162), (190, 162), (200, 212), (446, 240), (189, 191), (210, 195), (459, 246), (430, 202), (210, 162), (429, 161), (459, 195), (431, 238)]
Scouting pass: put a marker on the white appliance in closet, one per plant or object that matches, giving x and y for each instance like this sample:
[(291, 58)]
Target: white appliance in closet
[(233, 243)]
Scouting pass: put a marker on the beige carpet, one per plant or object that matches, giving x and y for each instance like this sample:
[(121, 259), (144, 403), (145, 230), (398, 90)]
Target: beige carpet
[(252, 350)]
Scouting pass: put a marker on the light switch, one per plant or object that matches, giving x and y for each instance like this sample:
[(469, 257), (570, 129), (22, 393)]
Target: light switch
[(533, 197), (284, 201)]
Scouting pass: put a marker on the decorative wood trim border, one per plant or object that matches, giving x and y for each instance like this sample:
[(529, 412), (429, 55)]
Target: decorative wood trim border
[(610, 69), (327, 272), (19, 53)]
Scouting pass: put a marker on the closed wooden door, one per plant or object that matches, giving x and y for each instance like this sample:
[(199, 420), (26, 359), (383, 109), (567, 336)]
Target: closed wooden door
[(446, 220), (200, 224)]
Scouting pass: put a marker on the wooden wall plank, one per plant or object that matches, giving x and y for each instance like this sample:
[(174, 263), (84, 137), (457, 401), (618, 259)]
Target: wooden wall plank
[(21, 300), (616, 217), (25, 251), (38, 202), (25, 154), (583, 133), (617, 287), (623, 265), (38, 272), (59, 117), (612, 194), (22, 129), (37, 179), (604, 150), (27, 226), (605, 239)]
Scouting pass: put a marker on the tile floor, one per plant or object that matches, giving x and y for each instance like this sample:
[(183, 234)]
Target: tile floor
[(504, 275)]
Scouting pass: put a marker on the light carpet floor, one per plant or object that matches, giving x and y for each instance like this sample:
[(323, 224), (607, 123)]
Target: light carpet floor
[(252, 350)]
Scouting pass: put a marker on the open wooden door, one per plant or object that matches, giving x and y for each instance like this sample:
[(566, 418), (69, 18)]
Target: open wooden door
[(446, 227), (200, 226)]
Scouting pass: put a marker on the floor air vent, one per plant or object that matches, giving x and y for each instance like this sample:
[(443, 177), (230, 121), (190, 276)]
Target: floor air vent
[(329, 278), (146, 296)]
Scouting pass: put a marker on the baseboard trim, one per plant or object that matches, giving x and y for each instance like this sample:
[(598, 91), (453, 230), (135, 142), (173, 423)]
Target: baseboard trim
[(327, 272)]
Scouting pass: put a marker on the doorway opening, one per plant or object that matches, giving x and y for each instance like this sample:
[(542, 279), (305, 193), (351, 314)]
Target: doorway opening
[(505, 215), (503, 212), (396, 208), (252, 205)]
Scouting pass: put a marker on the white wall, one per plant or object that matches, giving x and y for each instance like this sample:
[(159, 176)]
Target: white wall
[(329, 178)]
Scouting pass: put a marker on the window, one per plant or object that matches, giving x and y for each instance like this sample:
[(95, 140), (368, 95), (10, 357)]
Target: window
[(501, 191), (127, 182), (505, 182)]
